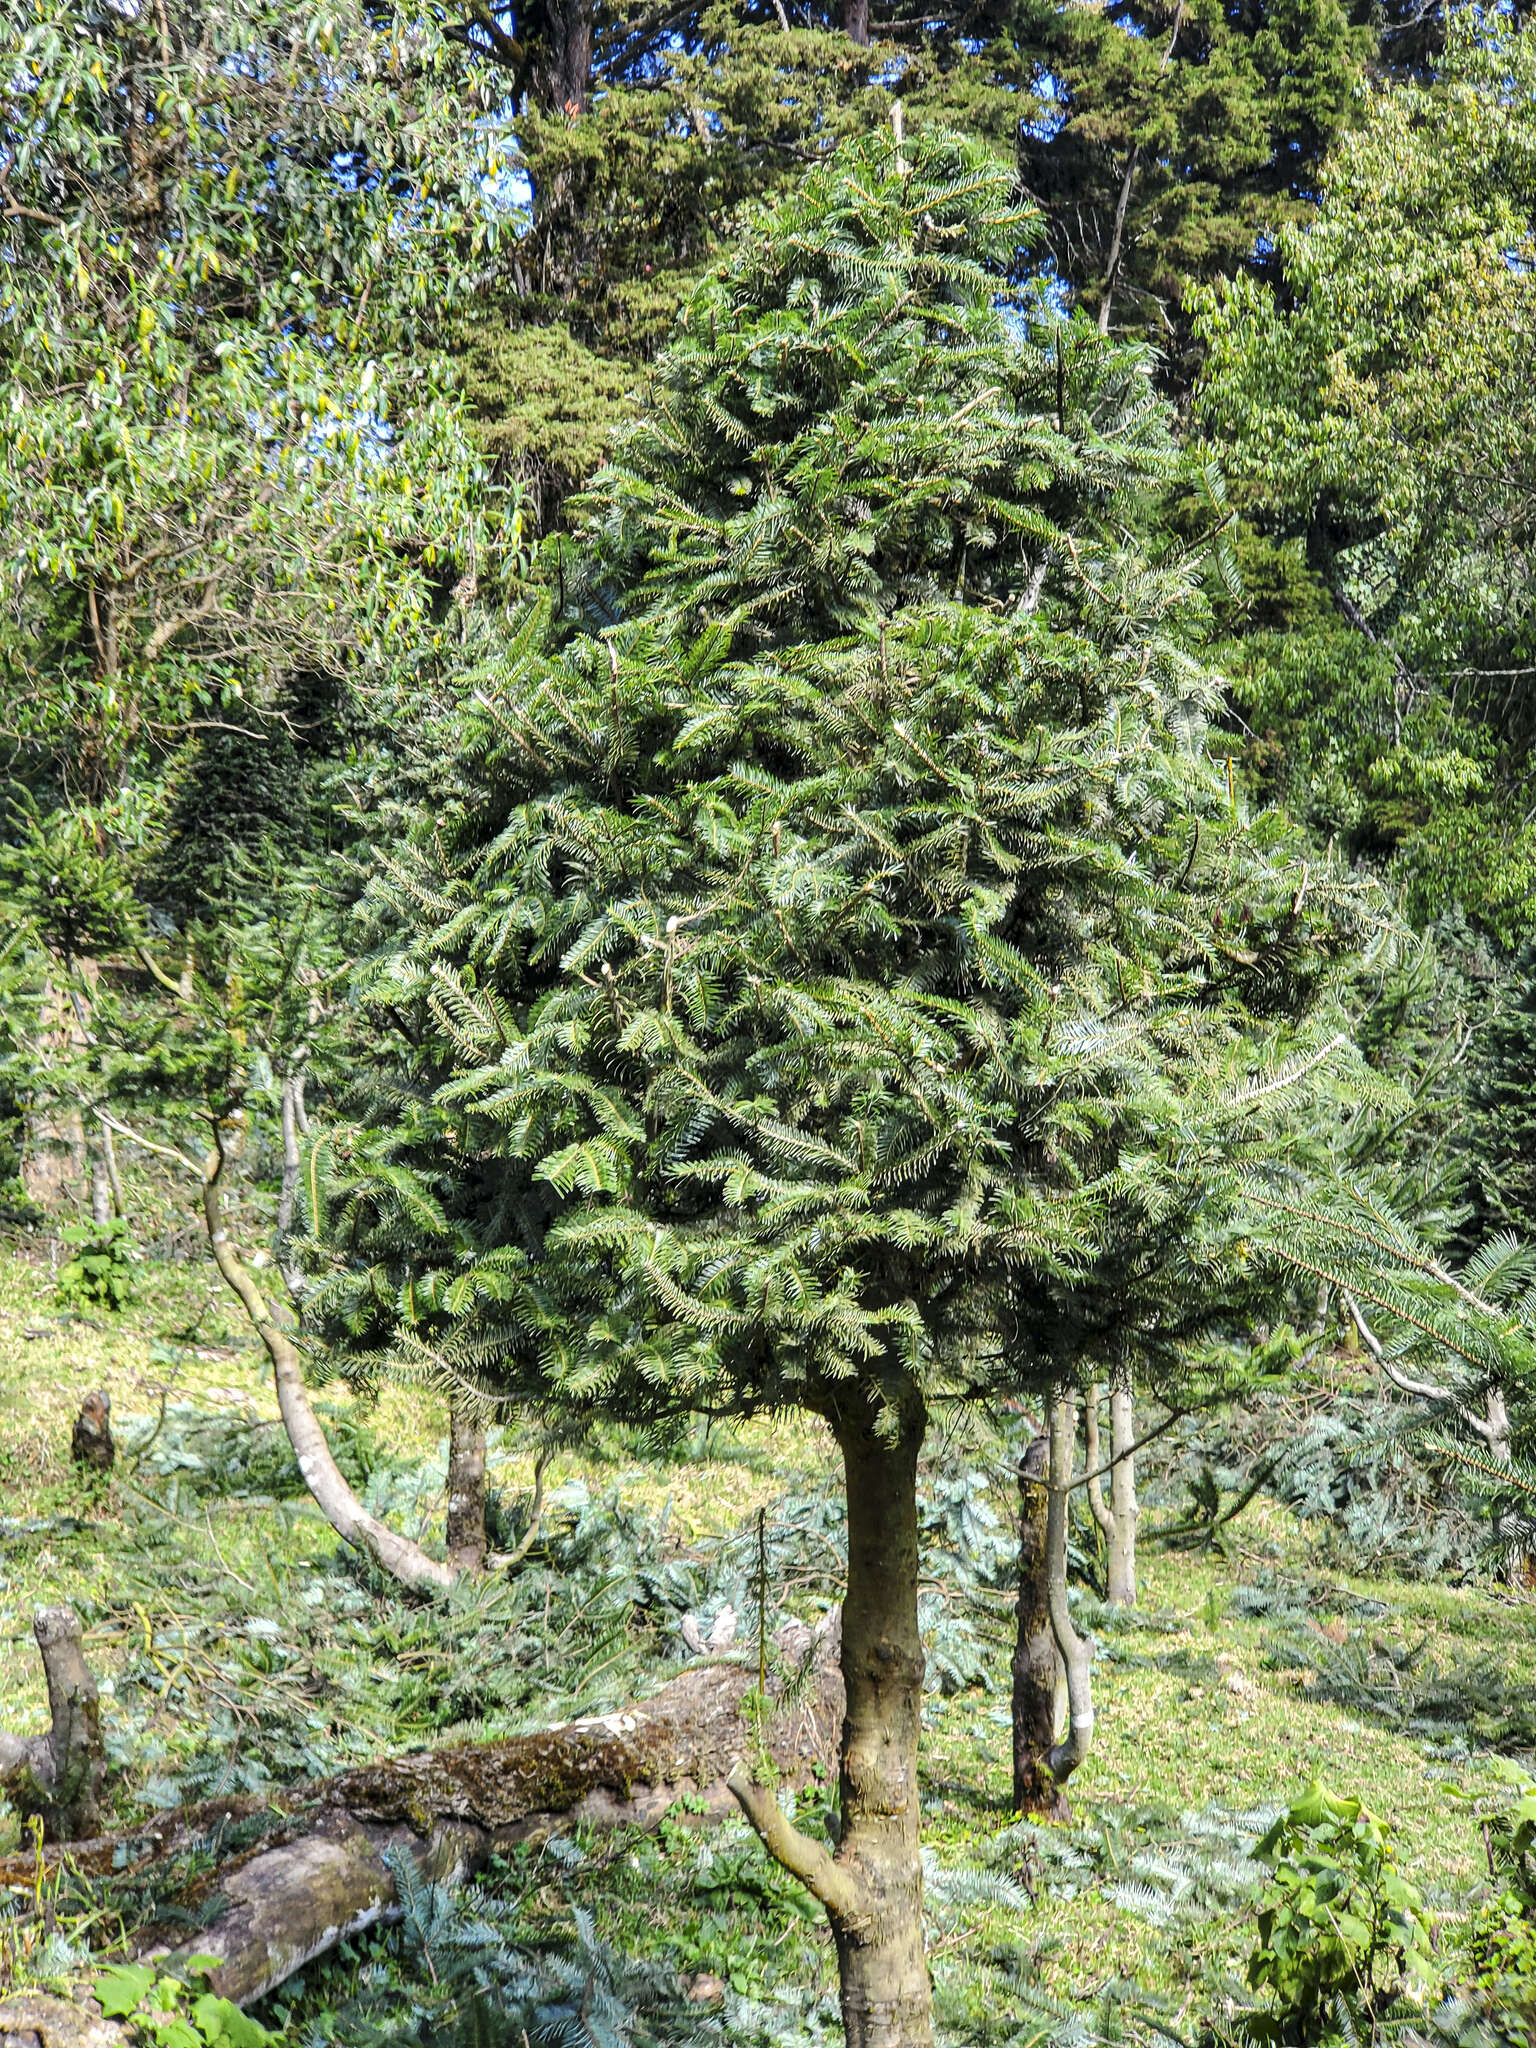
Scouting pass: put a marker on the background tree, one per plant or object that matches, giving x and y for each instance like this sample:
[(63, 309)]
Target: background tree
[(1391, 539), (1173, 142), (223, 459)]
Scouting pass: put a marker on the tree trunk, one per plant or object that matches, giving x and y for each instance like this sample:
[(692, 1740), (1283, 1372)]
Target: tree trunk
[(873, 1887), (101, 1190), (466, 1484), (1093, 1449), (1122, 1485), (886, 1995), (1035, 1662), (1075, 1653), (856, 22), (1494, 1430), (1117, 238), (109, 1164), (58, 1776), (53, 1152), (563, 76)]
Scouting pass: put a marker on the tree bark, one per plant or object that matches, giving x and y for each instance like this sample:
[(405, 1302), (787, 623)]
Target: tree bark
[(466, 1484), (109, 1165), (872, 1887), (563, 73), (450, 1810), (1125, 1511), (90, 1441), (856, 22), (31, 2019), (53, 1152), (1097, 1504), (101, 1190), (1117, 237), (1035, 1660), (1067, 1754), (58, 1776)]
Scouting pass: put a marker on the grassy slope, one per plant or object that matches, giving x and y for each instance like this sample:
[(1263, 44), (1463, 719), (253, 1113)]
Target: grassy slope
[(1190, 1718)]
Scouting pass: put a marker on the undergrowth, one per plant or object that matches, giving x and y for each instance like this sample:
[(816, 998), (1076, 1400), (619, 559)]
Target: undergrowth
[(242, 1648)]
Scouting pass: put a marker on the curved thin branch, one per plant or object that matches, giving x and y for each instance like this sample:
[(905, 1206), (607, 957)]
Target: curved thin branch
[(1423, 1390), (395, 1554), (510, 1558), (817, 1869)]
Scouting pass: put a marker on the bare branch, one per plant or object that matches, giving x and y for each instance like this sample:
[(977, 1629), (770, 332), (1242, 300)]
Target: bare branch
[(815, 1866)]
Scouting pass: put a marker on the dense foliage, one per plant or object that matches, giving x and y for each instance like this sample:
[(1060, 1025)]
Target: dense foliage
[(788, 711)]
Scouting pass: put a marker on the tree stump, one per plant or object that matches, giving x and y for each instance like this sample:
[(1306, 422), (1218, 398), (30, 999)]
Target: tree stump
[(90, 1443), (58, 1776)]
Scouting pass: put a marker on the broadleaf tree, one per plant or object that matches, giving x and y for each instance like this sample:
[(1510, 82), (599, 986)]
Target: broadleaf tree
[(226, 452), (1376, 425)]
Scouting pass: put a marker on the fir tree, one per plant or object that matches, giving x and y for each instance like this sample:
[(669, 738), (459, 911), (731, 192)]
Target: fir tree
[(793, 968), (839, 428)]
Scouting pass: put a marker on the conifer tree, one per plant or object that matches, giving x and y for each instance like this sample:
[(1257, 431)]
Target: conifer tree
[(818, 949), (1174, 140), (1391, 485)]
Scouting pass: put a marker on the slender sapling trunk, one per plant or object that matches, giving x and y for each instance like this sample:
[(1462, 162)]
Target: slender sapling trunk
[(1098, 1505), (1035, 1660), (1125, 1512), (393, 1553)]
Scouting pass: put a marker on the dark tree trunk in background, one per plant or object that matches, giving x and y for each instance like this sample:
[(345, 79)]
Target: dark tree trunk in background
[(856, 22), (466, 1486), (1035, 1662), (562, 71)]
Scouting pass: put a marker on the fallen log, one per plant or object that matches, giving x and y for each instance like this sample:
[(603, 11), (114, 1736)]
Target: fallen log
[(321, 1869)]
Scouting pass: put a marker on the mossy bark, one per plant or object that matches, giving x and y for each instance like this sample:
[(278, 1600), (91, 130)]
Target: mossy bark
[(310, 1864), (466, 1486), (58, 1776)]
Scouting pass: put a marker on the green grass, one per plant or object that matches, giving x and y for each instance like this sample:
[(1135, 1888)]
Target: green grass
[(231, 1621)]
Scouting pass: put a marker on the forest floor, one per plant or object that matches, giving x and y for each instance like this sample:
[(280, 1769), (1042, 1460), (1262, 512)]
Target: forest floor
[(238, 1647)]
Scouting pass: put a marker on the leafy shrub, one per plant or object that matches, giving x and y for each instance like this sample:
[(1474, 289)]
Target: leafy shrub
[(1341, 1931), (1501, 1959), (1500, 1955), (99, 1273), (168, 2013)]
